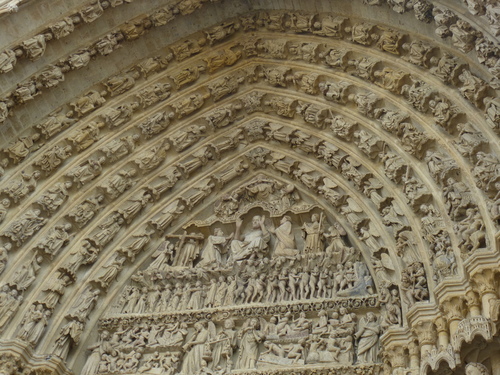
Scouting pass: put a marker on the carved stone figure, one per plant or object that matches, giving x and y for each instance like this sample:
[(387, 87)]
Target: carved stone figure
[(163, 256), (215, 246), (250, 337), (156, 123), (9, 303), (51, 76), (81, 58), (362, 33), (55, 123), (88, 103), (195, 348), (33, 324), (168, 215), (118, 148), (285, 239), (117, 184), (54, 290), (137, 243), (389, 41), (86, 210), (35, 47), (115, 117), (87, 171), (440, 165), (253, 243), (21, 148), (62, 28), (107, 230), (25, 227), (169, 179), (153, 94), (68, 337), (463, 35), (26, 91), (19, 189), (24, 277), (84, 137), (414, 284), (108, 43), (53, 157), (85, 254), (312, 233), (341, 127), (187, 249), (8, 59), (368, 334), (4, 258), (137, 202), (55, 240), (200, 191)]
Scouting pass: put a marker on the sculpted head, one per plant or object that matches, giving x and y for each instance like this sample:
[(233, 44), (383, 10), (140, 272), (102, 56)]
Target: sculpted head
[(256, 222), (476, 369)]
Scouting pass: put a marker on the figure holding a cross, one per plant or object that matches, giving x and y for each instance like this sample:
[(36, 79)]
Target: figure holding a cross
[(187, 249)]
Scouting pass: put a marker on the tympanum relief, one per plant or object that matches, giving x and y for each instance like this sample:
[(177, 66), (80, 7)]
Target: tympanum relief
[(265, 281)]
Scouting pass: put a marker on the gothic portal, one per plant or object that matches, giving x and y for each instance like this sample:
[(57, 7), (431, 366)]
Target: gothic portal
[(216, 187)]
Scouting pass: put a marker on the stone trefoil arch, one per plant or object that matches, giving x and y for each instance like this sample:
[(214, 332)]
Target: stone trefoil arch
[(250, 187)]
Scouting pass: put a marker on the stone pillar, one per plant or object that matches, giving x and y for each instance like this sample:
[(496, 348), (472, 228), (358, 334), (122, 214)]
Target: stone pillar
[(473, 303), (484, 282), (413, 349), (426, 335), (442, 331), (453, 310)]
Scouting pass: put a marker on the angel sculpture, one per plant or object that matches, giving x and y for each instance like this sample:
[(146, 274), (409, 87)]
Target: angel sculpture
[(351, 210), (196, 347), (163, 255)]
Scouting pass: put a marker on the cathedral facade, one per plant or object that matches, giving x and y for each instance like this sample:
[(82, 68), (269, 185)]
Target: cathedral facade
[(216, 187)]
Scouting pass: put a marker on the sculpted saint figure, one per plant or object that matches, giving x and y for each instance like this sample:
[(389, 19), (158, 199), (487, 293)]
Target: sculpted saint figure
[(368, 332), (8, 59), (86, 210), (250, 336), (56, 239), (188, 249), (22, 147), (252, 243), (214, 248), (83, 138), (86, 171), (312, 235), (53, 157), (195, 349), (285, 240), (69, 336), (55, 197)]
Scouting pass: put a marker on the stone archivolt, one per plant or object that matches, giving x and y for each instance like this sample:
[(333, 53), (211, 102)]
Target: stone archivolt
[(399, 163)]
